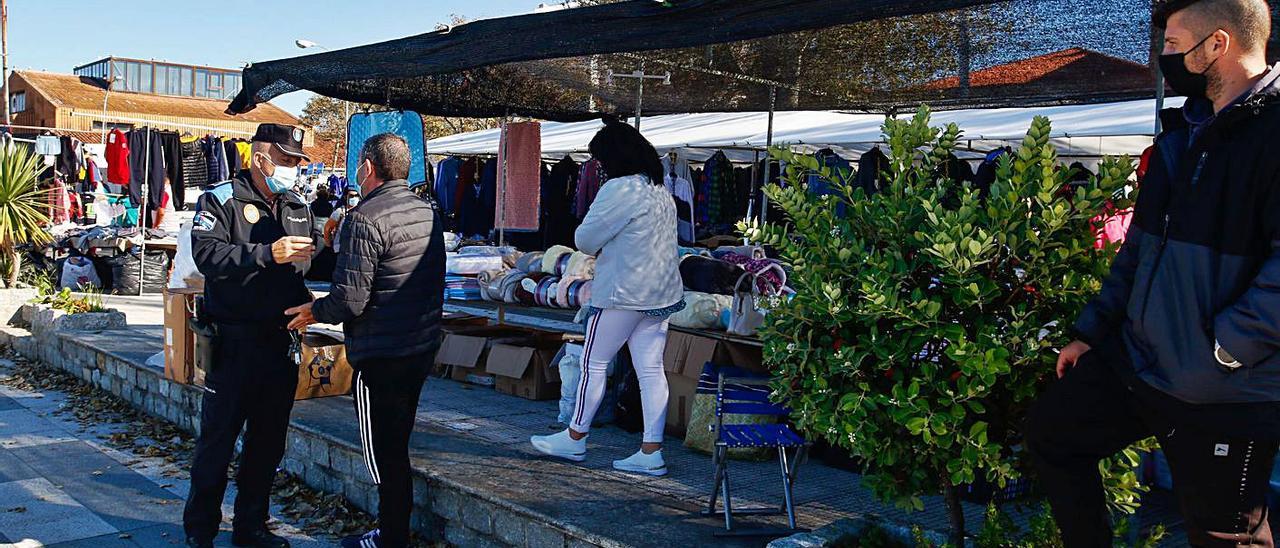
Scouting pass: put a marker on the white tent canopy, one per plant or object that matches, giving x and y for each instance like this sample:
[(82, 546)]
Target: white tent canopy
[(1078, 131)]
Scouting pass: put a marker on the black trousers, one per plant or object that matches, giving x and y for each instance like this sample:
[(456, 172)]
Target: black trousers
[(251, 386), (386, 394), (1220, 481)]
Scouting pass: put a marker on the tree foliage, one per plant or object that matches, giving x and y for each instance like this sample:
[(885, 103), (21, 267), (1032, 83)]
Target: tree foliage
[(927, 317)]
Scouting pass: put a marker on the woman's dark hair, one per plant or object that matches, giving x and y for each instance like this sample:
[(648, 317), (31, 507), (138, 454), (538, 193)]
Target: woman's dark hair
[(622, 151)]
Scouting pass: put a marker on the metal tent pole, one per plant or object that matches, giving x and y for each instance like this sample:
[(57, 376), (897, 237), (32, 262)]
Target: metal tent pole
[(1159, 87), (640, 96), (768, 146), (502, 182), (142, 216)]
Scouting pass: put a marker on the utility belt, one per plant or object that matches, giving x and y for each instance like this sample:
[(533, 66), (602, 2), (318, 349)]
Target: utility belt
[(210, 334)]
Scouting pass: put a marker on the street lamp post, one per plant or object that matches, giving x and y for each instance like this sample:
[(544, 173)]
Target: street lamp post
[(111, 82)]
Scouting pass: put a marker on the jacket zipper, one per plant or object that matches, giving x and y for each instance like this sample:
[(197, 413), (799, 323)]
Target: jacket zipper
[(1195, 177)]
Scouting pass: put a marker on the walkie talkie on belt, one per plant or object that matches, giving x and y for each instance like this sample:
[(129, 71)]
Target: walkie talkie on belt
[(206, 336)]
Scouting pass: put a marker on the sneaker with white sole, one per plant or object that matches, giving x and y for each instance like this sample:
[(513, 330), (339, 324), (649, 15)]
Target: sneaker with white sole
[(642, 463), (562, 446)]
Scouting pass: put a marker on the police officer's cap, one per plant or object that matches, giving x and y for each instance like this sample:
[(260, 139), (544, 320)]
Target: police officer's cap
[(287, 138)]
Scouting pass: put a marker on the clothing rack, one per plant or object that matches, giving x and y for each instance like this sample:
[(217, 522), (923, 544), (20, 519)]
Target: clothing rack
[(162, 123)]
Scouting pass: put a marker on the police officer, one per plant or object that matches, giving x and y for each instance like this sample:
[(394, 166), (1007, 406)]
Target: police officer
[(252, 238)]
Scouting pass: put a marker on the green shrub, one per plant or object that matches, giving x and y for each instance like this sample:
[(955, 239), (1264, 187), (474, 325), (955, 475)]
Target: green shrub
[(927, 318)]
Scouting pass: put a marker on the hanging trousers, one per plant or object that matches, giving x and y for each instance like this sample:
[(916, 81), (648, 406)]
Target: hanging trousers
[(251, 386), (1220, 481), (386, 396)]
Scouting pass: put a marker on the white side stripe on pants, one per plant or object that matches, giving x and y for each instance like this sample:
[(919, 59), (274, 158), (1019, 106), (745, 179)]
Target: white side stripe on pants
[(366, 428)]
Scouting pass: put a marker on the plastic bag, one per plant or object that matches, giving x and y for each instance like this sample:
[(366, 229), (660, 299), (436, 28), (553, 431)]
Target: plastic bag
[(185, 275), (570, 365), (79, 273), (470, 265), (702, 310)]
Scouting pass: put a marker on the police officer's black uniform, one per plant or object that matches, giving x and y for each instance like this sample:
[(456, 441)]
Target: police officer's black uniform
[(251, 383)]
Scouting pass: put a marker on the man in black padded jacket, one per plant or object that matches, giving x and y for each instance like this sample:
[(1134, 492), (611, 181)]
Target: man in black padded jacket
[(388, 290)]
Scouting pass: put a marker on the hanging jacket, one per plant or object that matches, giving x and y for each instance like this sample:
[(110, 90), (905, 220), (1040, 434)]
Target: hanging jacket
[(871, 171), (1201, 261), (118, 171)]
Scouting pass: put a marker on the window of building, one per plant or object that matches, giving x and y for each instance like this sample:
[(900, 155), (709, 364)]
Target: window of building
[(215, 84), (162, 79), (230, 85), (98, 126), (144, 80), (185, 81), (18, 102), (117, 72), (132, 76), (202, 83)]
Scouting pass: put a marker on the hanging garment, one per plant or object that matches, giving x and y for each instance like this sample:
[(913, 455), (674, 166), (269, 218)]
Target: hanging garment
[(590, 178), (558, 222), (117, 152), (68, 162), (146, 160), (215, 159), (871, 176), (718, 187), (232, 155), (447, 183), (488, 196), (93, 176), (520, 179), (682, 192), (679, 167), (195, 169), (840, 170), (244, 150), (468, 176), (986, 173), (48, 145), (173, 167)]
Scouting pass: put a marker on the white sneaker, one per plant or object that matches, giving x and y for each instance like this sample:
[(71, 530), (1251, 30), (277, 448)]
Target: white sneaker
[(561, 445), (640, 463)]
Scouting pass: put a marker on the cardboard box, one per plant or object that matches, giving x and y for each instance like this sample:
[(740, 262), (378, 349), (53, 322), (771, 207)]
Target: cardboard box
[(324, 371), (679, 404), (525, 369), (465, 351), (685, 356), (179, 340), (453, 321)]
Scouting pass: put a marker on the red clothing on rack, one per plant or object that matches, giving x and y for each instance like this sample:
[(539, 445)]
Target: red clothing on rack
[(118, 158)]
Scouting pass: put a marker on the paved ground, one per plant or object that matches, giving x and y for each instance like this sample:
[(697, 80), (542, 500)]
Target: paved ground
[(479, 438), (62, 485)]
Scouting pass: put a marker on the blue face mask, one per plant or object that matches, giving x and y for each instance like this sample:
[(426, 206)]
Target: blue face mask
[(282, 180)]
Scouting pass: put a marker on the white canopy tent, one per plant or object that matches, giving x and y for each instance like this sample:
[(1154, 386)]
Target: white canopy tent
[(1080, 131)]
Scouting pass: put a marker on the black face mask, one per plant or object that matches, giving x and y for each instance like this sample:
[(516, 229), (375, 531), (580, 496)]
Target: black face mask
[(1189, 84)]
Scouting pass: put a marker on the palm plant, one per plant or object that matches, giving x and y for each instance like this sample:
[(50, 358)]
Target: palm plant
[(23, 206)]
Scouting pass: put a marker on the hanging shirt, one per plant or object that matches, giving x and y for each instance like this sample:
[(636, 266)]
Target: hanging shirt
[(682, 192), (590, 178), (447, 183), (245, 150), (117, 152), (48, 145)]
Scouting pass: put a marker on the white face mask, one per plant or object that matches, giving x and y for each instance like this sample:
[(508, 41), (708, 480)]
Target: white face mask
[(282, 179), (353, 201)]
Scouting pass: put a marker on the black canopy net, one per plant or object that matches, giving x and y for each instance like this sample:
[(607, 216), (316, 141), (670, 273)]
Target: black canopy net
[(743, 55)]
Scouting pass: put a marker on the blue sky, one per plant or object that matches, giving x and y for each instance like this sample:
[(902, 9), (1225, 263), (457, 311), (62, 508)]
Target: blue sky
[(58, 35)]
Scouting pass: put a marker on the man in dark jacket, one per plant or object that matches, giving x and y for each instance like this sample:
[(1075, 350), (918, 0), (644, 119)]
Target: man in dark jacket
[(388, 291), (252, 238), (1183, 342)]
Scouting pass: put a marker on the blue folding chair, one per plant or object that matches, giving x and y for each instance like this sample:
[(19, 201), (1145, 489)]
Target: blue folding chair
[(739, 392)]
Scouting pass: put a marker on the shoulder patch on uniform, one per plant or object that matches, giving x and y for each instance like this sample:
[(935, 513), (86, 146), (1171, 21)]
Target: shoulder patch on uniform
[(222, 191), (203, 222)]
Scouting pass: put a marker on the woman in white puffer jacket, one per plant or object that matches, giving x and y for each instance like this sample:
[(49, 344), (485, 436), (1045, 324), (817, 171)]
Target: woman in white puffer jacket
[(631, 227)]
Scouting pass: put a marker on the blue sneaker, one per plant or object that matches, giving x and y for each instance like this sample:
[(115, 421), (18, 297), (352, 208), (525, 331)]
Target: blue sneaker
[(372, 539)]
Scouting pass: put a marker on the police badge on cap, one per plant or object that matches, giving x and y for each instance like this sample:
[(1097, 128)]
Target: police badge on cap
[(287, 138)]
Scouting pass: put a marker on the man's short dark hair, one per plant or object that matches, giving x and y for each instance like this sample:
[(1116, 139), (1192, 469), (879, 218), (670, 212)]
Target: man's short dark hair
[(1247, 21), (389, 154)]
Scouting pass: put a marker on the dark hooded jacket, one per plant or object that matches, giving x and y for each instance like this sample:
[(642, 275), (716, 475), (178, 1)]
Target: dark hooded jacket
[(1201, 261)]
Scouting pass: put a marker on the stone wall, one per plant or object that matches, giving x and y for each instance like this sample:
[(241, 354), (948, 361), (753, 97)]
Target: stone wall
[(443, 509)]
